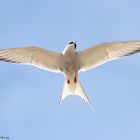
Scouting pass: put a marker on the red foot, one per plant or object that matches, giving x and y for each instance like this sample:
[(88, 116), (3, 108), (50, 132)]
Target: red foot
[(68, 81), (75, 80)]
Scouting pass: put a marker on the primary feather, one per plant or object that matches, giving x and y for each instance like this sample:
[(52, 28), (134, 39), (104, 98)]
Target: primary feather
[(39, 57), (102, 53)]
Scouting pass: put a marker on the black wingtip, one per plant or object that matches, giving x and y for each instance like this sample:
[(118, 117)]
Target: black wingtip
[(131, 53), (7, 60)]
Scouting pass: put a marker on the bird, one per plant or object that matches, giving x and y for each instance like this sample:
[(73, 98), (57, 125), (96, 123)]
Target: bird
[(70, 62)]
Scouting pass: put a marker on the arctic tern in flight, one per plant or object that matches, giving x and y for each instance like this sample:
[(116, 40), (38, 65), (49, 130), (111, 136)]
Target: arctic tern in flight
[(70, 62)]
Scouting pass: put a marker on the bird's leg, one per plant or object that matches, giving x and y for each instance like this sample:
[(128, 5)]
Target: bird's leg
[(75, 79), (68, 81)]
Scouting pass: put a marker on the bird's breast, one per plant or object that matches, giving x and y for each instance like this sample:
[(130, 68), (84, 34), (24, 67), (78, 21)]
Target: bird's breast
[(70, 64)]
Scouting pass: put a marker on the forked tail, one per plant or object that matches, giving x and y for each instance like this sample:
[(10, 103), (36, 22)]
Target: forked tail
[(74, 90)]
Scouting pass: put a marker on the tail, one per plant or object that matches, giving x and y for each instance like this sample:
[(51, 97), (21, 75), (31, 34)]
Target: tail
[(76, 90)]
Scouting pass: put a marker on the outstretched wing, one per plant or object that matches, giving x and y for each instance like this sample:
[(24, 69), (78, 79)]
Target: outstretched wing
[(102, 53), (39, 57)]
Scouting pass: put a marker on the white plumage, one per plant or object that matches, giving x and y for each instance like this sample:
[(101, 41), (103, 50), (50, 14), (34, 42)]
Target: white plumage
[(70, 62)]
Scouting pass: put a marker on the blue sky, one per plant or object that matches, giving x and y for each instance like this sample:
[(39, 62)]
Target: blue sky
[(29, 97)]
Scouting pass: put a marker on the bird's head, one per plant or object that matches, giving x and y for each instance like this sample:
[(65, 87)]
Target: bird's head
[(70, 48), (72, 45)]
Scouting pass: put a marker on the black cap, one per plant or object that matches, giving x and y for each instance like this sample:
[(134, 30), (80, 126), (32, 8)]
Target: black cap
[(71, 43)]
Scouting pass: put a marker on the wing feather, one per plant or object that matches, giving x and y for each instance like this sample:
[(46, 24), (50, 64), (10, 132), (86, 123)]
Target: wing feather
[(102, 53), (39, 57)]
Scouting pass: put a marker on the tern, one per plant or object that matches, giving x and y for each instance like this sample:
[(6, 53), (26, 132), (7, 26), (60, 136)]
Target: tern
[(70, 62)]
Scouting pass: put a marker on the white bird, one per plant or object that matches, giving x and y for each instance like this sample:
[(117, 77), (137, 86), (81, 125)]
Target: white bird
[(70, 62)]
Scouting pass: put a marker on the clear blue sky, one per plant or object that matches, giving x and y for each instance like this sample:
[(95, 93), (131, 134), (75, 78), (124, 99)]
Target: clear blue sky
[(29, 97)]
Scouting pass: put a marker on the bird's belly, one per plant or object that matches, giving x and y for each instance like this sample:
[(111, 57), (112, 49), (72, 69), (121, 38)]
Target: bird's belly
[(72, 88), (70, 65)]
